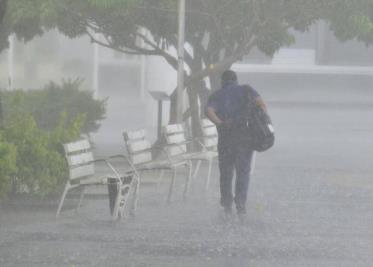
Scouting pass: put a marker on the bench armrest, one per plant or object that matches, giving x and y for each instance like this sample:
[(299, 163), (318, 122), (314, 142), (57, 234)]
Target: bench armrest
[(108, 164), (126, 159), (199, 141)]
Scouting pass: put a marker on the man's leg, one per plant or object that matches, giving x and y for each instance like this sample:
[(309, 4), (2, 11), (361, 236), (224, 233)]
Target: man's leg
[(242, 165), (226, 166)]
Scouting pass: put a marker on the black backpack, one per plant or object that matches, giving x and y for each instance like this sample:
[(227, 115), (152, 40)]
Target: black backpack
[(259, 124)]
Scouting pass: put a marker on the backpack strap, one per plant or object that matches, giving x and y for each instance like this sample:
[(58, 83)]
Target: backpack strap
[(250, 95)]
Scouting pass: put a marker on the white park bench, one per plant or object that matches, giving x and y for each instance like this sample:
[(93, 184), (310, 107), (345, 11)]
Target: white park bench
[(209, 144), (81, 167), (177, 142), (140, 156)]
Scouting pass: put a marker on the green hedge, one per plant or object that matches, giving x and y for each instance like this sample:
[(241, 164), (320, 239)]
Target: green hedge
[(7, 165), (47, 104), (34, 127)]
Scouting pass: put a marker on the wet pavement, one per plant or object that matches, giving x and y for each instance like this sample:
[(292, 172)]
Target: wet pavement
[(310, 204)]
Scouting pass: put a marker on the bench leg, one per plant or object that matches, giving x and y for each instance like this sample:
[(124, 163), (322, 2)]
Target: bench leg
[(67, 187), (135, 197), (172, 184), (80, 199), (123, 200), (188, 179), (197, 169), (117, 202), (160, 179), (208, 176)]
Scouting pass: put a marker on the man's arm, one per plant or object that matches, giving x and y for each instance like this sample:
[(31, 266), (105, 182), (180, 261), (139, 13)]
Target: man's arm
[(211, 114), (253, 94), (210, 110)]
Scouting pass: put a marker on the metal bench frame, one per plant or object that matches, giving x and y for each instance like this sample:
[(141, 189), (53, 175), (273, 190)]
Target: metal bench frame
[(140, 157), (177, 146), (81, 165)]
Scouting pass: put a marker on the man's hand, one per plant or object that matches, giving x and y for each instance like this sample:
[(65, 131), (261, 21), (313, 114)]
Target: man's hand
[(227, 124), (260, 103), (211, 114)]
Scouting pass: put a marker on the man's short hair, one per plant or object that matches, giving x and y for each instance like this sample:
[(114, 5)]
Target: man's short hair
[(229, 75)]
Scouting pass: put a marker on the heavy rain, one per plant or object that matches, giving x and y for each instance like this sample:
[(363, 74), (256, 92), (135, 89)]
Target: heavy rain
[(114, 129)]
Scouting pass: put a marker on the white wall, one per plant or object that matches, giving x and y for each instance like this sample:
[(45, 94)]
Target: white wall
[(51, 57)]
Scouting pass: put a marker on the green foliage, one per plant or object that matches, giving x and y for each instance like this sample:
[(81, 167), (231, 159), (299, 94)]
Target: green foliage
[(230, 21), (2, 9), (46, 105), (350, 19), (35, 125), (232, 26), (40, 162), (7, 165)]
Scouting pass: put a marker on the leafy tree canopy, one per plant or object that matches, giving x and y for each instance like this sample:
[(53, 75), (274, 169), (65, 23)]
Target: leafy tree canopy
[(2, 9), (219, 32), (230, 22)]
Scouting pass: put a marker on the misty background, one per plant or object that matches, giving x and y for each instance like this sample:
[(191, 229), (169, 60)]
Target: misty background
[(317, 68), (310, 199)]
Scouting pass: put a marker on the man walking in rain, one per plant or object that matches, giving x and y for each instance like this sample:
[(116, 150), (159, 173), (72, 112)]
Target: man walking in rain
[(227, 108)]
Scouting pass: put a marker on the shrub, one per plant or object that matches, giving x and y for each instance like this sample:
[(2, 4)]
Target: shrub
[(7, 165), (46, 105), (40, 162), (35, 125)]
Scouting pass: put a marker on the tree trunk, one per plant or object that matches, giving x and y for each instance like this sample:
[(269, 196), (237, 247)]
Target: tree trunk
[(214, 79), (203, 94), (173, 107), (195, 110)]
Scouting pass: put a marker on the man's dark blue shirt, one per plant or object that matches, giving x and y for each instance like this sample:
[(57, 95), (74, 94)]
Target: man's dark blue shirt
[(230, 102)]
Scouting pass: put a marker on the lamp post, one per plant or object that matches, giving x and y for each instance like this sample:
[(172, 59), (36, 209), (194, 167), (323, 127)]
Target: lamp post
[(11, 63), (96, 66), (180, 73)]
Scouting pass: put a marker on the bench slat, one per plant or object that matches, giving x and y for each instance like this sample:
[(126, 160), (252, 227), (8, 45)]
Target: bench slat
[(176, 138), (209, 131), (173, 129), (138, 146), (82, 171), (77, 146), (133, 135), (210, 142), (79, 159)]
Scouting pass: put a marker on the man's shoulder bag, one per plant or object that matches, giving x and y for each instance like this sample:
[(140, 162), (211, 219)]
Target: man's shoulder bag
[(262, 135)]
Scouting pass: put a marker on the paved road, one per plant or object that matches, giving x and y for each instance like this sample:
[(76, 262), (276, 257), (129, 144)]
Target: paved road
[(310, 204)]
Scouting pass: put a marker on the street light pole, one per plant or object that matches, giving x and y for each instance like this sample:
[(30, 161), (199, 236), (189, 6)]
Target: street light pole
[(96, 67), (11, 63), (180, 73)]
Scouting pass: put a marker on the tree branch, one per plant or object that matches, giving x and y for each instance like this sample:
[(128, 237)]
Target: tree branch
[(126, 51), (168, 57), (217, 25), (227, 62)]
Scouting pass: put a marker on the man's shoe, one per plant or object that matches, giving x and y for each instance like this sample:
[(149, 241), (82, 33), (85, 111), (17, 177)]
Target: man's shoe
[(225, 215), (241, 214), (228, 210), (242, 218)]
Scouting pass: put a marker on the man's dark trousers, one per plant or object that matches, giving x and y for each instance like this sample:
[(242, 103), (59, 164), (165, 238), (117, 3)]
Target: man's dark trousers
[(234, 154)]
